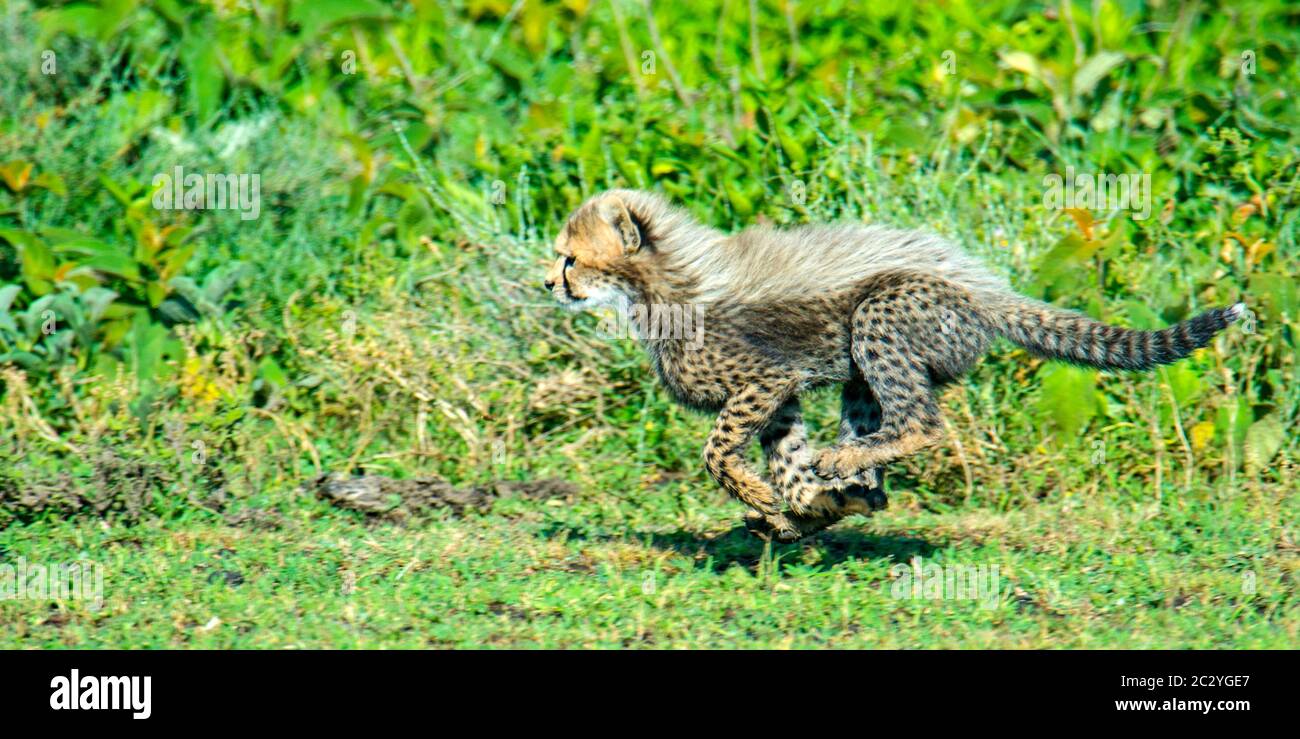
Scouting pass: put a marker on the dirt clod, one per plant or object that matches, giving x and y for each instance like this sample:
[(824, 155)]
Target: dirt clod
[(119, 486), (385, 496)]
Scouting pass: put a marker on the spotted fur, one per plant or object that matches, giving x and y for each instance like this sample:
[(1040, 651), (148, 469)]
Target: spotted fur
[(889, 314)]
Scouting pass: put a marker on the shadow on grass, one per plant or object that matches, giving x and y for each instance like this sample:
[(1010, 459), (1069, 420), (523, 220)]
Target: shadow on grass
[(737, 546)]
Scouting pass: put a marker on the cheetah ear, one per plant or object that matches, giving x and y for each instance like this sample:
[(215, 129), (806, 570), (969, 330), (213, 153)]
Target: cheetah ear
[(629, 229)]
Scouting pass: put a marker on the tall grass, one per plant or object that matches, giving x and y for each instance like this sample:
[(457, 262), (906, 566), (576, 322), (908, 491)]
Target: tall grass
[(388, 316)]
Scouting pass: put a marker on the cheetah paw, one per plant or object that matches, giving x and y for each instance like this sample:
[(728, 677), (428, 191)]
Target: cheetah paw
[(843, 463), (775, 527)]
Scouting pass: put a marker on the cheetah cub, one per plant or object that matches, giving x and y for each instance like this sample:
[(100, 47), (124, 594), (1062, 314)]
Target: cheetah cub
[(889, 314)]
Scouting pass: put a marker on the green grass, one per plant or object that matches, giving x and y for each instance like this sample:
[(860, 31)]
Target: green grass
[(666, 571), (384, 316)]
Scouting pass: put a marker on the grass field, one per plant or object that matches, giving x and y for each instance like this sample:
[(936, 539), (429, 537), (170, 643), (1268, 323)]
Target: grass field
[(175, 382)]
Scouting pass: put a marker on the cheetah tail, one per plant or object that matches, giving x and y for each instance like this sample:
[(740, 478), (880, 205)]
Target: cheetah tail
[(1053, 333)]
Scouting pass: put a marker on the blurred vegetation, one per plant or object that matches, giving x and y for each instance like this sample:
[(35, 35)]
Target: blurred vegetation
[(383, 312)]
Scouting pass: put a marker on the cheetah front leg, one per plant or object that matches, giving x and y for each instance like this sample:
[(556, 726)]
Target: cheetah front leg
[(789, 465), (860, 416), (743, 416)]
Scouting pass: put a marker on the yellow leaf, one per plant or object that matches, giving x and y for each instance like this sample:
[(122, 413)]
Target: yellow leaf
[(1238, 237), (661, 168), (1258, 250), (1084, 220), (1202, 435), (16, 174), (1023, 62), (61, 273)]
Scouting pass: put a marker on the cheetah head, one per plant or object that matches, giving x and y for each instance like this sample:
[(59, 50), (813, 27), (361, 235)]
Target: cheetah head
[(595, 254)]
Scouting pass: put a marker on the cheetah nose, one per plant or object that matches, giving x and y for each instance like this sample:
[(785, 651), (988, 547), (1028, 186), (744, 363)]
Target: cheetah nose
[(550, 284)]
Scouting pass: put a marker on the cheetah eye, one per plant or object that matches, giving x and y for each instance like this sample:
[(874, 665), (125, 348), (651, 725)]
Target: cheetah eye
[(568, 262)]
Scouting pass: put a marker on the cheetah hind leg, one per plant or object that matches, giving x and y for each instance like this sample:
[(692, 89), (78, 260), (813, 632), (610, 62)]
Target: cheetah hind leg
[(897, 350)]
